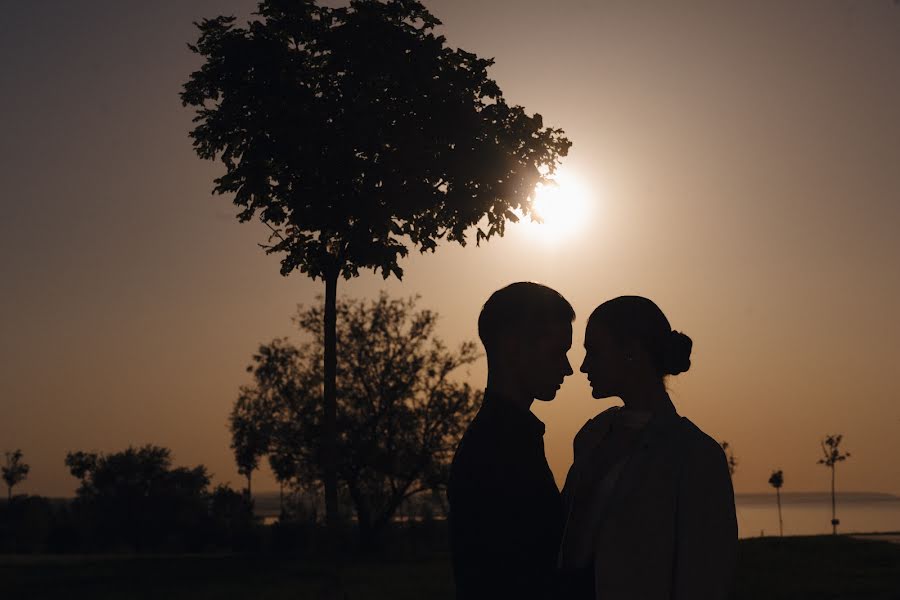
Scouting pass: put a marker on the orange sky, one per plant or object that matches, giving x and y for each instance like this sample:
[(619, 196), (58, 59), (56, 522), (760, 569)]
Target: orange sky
[(741, 165)]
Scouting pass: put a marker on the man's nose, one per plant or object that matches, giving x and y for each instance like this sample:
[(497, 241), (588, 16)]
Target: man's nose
[(569, 370), (583, 367)]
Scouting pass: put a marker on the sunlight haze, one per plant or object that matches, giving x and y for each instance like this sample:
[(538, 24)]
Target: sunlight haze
[(562, 209)]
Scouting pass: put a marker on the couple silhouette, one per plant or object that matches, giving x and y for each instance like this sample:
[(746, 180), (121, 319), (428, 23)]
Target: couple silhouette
[(647, 510)]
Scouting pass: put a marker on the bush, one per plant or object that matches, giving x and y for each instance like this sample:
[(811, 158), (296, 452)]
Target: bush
[(26, 523)]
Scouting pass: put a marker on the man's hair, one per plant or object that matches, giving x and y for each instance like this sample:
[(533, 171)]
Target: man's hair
[(522, 307)]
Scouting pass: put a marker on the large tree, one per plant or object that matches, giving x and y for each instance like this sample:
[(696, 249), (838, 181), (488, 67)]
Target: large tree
[(401, 411), (354, 134)]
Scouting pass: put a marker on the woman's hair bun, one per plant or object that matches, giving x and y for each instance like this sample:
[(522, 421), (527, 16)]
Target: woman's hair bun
[(677, 358)]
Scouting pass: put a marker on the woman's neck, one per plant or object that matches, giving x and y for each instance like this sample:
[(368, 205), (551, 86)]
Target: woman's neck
[(651, 397)]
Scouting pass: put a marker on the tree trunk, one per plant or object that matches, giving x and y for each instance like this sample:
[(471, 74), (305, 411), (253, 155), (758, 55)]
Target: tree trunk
[(249, 489), (8, 493), (281, 501), (329, 429), (366, 529), (780, 522), (834, 522), (368, 537), (371, 531)]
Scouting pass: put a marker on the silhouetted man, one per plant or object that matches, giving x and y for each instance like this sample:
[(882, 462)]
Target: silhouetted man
[(505, 510)]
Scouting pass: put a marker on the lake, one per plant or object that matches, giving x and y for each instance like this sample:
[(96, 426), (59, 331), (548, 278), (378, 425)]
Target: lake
[(810, 513), (803, 513)]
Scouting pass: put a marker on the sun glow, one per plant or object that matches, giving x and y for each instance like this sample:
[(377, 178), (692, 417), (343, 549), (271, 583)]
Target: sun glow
[(560, 208)]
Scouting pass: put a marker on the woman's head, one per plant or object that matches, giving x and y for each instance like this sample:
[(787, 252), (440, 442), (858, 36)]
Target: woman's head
[(629, 342)]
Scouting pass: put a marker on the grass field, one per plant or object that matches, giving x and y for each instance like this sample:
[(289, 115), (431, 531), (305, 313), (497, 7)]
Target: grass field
[(769, 568)]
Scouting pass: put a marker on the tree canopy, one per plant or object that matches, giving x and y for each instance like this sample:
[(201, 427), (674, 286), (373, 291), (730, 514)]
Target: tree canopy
[(136, 497), (831, 451), (776, 480), (351, 131), (401, 412)]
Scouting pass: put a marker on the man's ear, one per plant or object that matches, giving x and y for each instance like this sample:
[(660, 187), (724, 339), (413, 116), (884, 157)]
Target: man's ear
[(510, 348)]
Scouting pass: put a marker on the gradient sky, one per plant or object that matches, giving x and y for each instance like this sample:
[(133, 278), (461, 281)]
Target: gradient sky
[(741, 161)]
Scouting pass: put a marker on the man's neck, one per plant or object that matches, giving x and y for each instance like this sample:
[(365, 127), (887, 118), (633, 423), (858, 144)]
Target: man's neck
[(508, 389)]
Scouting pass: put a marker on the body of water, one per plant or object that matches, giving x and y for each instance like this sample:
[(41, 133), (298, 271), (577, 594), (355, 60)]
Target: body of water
[(757, 514), (810, 513)]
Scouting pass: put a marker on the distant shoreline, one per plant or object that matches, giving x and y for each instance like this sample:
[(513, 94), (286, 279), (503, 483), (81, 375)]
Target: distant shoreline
[(740, 498), (815, 497)]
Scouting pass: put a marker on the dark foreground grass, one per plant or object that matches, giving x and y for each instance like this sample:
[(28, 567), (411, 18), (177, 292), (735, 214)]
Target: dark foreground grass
[(770, 568), (225, 577), (821, 567)]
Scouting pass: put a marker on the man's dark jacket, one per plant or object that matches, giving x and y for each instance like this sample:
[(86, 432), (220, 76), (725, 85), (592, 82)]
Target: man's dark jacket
[(505, 508)]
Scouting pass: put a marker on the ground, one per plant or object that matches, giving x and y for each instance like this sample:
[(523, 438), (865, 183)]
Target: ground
[(821, 567)]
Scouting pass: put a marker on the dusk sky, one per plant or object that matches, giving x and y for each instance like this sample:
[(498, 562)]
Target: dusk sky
[(738, 163)]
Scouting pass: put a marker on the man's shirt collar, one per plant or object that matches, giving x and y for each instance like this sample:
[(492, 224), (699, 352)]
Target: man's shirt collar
[(512, 416)]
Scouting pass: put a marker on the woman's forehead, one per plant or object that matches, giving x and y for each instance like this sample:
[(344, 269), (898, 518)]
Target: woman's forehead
[(596, 330)]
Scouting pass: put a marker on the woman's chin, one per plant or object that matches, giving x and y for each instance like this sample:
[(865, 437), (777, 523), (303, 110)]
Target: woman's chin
[(599, 394)]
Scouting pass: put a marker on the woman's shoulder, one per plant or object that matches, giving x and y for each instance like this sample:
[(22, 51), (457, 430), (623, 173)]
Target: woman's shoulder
[(594, 429), (699, 443), (601, 420)]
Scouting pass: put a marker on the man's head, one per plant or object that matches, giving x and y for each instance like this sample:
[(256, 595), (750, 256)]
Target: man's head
[(526, 329)]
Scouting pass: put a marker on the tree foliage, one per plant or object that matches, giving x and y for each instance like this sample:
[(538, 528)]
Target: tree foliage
[(831, 451), (401, 412), (353, 131), (248, 441), (730, 458), (136, 498), (14, 471), (776, 480)]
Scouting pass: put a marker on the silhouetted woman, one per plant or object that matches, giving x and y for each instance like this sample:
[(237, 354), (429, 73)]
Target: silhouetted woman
[(649, 502)]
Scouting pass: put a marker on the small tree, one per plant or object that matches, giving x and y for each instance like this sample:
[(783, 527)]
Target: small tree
[(354, 133), (283, 468), (401, 413), (729, 458), (14, 471), (248, 441), (776, 480), (831, 456)]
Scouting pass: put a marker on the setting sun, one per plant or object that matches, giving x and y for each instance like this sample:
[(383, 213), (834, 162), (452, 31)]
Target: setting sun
[(560, 207)]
